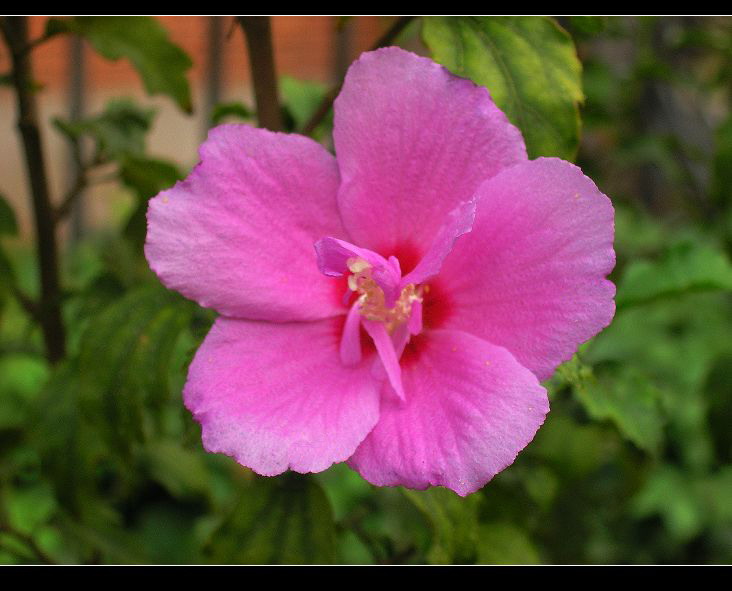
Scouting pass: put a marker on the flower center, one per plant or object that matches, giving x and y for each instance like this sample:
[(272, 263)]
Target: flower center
[(372, 302)]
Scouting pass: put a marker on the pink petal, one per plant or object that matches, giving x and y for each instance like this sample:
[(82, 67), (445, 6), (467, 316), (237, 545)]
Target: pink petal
[(531, 275), (458, 222), (276, 396), (350, 348), (333, 256), (237, 235), (387, 353), (413, 142), (470, 409)]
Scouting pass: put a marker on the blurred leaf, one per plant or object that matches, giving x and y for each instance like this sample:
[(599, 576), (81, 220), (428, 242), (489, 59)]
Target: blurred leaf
[(167, 535), (589, 25), (721, 191), (530, 67), (669, 493), (574, 450), (454, 522), (118, 131), (182, 472), (162, 65), (301, 98), (21, 379), (147, 177), (124, 359), (505, 543), (112, 545), (629, 400), (8, 223), (28, 507), (223, 111), (685, 268), (277, 521)]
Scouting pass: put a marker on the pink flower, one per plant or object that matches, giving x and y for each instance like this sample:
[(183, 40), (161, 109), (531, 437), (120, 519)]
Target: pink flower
[(450, 274)]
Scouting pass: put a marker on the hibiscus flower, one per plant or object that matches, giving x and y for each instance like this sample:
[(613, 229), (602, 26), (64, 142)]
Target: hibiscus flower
[(394, 306)]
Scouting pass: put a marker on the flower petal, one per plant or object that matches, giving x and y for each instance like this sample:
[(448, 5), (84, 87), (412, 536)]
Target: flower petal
[(387, 354), (413, 142), (470, 408), (333, 256), (276, 396), (459, 221), (237, 235), (531, 275)]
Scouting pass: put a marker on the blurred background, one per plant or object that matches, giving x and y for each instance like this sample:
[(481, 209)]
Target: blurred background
[(100, 462)]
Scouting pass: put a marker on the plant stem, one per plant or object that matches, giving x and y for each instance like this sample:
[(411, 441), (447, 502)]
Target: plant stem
[(15, 30), (258, 34), (327, 103)]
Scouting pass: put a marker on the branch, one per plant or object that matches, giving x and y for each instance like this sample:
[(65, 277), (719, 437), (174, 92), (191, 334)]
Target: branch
[(327, 103), (81, 182), (15, 31), (258, 33)]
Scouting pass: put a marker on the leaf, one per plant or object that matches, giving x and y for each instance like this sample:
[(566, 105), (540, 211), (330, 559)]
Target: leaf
[(669, 493), (686, 267), (530, 67), (182, 472), (161, 64), (722, 165), (631, 402), (503, 542), (286, 520), (573, 450), (223, 111), (21, 380), (589, 25), (124, 360), (301, 98), (119, 131), (31, 506), (147, 177), (8, 223), (454, 522)]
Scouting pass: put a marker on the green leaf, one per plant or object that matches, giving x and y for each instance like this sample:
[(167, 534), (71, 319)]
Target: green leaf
[(589, 25), (722, 165), (29, 507), (573, 450), (124, 360), (503, 542), (301, 98), (147, 177), (8, 223), (669, 493), (236, 110), (286, 520), (454, 522), (119, 131), (182, 472), (21, 380), (529, 65), (631, 402), (686, 267), (162, 65)]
